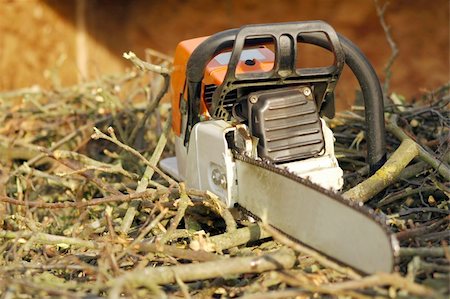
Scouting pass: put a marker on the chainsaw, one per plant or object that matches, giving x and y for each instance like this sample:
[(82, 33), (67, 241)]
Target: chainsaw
[(249, 127)]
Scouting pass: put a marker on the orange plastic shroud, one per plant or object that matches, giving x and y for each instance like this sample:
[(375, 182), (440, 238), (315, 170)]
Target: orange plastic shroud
[(256, 59)]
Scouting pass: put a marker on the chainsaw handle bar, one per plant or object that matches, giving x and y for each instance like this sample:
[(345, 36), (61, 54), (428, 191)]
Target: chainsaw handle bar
[(343, 49), (285, 37)]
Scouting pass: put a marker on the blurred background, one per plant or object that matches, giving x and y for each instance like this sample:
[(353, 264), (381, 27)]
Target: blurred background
[(54, 42)]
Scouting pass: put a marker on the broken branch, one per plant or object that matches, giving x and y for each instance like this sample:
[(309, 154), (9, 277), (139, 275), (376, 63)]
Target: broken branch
[(281, 259), (386, 175)]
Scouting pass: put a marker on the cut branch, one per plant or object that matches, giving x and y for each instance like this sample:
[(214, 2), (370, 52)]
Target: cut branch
[(145, 66), (239, 237), (42, 238), (386, 175), (424, 251), (440, 166), (182, 253), (281, 259)]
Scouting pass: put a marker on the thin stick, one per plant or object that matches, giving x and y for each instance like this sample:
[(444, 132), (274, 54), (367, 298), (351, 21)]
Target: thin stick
[(144, 232), (75, 165), (440, 166), (183, 287), (382, 279), (302, 280), (39, 289), (62, 205), (59, 143), (91, 163), (48, 239), (220, 208), (146, 178), (421, 230), (145, 66), (404, 193), (391, 42), (100, 135), (290, 293), (183, 203), (150, 107)]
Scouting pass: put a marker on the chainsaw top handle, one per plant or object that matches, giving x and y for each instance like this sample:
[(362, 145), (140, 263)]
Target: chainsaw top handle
[(285, 37)]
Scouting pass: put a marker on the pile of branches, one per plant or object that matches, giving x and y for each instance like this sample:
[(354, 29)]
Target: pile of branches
[(413, 191), (85, 212)]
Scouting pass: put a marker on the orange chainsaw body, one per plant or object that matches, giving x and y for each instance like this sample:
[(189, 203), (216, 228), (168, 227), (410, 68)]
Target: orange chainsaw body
[(214, 73)]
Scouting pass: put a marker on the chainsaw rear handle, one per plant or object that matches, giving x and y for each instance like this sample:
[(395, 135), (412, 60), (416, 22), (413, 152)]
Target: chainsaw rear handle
[(354, 58)]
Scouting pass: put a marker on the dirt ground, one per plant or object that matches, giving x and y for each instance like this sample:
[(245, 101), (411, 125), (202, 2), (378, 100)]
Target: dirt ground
[(40, 39)]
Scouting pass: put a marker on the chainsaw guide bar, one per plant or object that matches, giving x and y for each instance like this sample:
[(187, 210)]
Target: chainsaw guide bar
[(379, 250)]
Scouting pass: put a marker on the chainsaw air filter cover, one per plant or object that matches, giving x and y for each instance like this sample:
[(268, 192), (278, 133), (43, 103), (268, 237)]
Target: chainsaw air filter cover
[(287, 124)]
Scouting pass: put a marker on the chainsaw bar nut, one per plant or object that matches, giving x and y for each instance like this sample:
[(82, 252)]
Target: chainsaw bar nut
[(218, 178)]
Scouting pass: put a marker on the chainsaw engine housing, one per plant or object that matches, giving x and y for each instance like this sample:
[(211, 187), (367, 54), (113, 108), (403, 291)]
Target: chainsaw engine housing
[(278, 123)]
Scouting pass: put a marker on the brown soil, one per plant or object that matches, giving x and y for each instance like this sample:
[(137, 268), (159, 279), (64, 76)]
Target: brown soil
[(37, 38)]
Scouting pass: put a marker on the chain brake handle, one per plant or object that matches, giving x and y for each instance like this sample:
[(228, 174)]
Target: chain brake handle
[(285, 37)]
